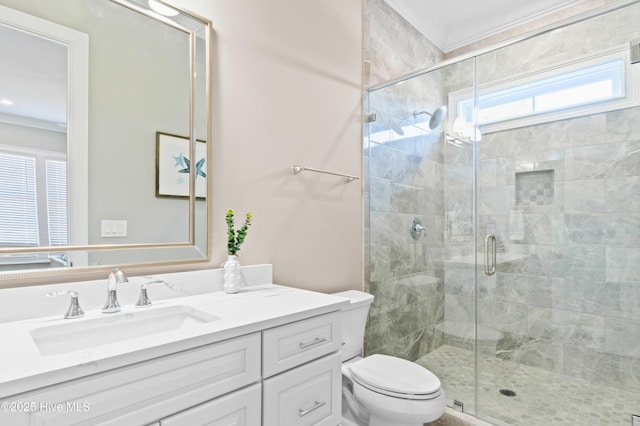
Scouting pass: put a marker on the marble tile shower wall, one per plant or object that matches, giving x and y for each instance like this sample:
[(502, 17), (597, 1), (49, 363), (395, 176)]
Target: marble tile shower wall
[(403, 180), (392, 46), (405, 277), (566, 295), (459, 258), (588, 37)]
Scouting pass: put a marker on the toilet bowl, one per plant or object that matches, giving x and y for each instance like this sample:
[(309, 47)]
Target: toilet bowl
[(382, 390)]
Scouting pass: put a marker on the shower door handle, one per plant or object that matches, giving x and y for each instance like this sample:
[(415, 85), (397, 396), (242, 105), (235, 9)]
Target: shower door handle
[(490, 268)]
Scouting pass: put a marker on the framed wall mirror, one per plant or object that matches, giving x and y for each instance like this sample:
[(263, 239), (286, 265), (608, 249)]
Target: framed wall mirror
[(85, 88)]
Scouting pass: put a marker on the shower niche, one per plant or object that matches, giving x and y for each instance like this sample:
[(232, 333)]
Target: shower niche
[(535, 188)]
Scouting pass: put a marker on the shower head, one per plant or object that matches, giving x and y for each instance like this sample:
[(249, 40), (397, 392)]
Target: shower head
[(437, 116)]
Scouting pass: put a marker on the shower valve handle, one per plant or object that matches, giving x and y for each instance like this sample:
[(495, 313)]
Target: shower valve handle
[(416, 228)]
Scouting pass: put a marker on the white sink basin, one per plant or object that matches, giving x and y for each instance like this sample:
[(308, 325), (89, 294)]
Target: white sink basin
[(87, 333)]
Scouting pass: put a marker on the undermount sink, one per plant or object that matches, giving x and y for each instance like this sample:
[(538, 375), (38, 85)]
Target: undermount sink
[(111, 328)]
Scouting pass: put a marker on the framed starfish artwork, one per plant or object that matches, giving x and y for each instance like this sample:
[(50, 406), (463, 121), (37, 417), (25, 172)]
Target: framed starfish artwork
[(173, 166)]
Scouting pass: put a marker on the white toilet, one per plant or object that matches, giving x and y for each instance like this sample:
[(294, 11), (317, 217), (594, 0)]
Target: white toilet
[(381, 390)]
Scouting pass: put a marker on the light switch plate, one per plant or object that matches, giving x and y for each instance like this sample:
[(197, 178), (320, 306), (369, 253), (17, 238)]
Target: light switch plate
[(113, 228)]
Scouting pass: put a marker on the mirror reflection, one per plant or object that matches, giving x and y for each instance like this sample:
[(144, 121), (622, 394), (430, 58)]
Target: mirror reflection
[(33, 146), (78, 140)]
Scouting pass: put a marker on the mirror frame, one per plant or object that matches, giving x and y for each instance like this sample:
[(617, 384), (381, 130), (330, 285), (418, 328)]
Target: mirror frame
[(77, 145)]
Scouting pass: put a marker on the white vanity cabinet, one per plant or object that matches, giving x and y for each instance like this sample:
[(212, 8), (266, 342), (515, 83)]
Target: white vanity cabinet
[(301, 383), (302, 373), (280, 367), (142, 393), (240, 408)]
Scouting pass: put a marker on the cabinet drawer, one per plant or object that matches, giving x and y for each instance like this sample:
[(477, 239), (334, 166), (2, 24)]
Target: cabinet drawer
[(307, 395), (240, 408), (145, 392), (293, 344)]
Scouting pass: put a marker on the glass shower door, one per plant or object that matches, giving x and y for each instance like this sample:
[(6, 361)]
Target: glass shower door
[(423, 282), (558, 178)]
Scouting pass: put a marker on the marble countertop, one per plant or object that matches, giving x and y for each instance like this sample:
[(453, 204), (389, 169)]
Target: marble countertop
[(255, 308)]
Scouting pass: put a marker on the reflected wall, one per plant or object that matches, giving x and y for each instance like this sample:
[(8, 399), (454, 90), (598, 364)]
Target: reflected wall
[(139, 85)]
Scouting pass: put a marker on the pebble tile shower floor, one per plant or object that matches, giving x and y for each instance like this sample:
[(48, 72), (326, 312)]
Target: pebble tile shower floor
[(543, 398)]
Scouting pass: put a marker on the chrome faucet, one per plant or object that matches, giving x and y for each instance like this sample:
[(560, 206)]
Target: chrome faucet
[(115, 277), (74, 310), (143, 300)]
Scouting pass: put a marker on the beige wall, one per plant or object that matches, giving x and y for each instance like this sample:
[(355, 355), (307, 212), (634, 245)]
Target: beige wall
[(287, 90)]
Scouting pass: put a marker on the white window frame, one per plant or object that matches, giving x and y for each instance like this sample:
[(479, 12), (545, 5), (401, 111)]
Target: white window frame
[(630, 91), (41, 156), (77, 120)]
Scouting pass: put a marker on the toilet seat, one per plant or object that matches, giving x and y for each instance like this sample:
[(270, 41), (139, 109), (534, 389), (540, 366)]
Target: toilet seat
[(395, 377)]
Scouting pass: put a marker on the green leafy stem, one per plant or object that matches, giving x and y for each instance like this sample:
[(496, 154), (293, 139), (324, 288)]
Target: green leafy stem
[(236, 238)]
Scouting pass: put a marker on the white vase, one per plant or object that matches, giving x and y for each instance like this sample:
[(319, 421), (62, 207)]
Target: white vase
[(232, 275)]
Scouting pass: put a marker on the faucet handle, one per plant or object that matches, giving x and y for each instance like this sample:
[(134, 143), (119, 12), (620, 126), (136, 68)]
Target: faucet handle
[(116, 277), (74, 310), (143, 300)]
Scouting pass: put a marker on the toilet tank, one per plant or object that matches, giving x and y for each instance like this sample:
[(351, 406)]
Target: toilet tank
[(354, 320)]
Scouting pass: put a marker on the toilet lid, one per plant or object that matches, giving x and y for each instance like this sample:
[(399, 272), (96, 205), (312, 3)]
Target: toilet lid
[(391, 375)]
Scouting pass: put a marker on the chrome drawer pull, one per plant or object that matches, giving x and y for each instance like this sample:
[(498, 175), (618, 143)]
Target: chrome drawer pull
[(315, 341), (316, 405)]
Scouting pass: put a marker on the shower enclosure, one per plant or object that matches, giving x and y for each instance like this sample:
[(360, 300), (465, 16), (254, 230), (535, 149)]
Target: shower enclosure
[(504, 224)]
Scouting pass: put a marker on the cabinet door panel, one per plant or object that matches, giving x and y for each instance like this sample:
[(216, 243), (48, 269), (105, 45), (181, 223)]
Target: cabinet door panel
[(305, 396), (240, 408), (146, 392)]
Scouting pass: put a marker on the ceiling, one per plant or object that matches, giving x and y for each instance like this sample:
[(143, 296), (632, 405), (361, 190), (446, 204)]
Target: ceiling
[(452, 24)]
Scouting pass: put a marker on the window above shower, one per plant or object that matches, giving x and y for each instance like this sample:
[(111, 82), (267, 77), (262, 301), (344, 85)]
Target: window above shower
[(591, 84)]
